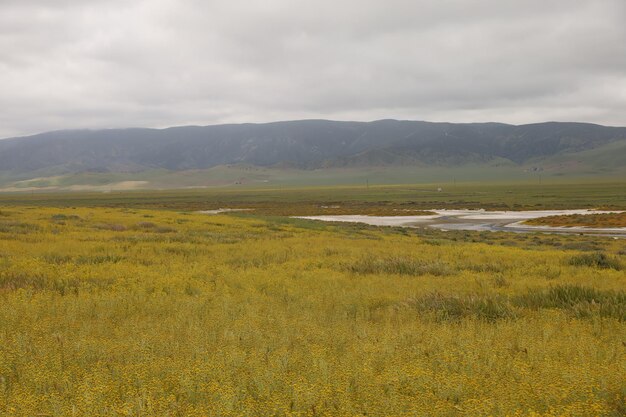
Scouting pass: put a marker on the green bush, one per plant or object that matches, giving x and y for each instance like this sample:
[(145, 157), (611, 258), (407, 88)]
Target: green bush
[(98, 259), (580, 301), (596, 260), (454, 308), (400, 266)]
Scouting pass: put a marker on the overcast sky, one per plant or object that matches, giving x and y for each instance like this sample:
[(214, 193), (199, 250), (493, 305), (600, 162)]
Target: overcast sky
[(157, 63)]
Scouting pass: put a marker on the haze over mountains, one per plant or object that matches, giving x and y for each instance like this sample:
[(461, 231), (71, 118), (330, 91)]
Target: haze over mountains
[(564, 148)]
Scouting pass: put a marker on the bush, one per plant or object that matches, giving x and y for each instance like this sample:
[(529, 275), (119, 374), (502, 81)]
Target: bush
[(64, 217), (146, 225), (12, 280), (57, 259), (152, 227), (400, 266), (455, 308), (18, 227), (580, 301), (98, 259), (596, 260), (111, 227)]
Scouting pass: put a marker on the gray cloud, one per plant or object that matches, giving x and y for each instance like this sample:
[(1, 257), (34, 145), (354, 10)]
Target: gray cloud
[(114, 63)]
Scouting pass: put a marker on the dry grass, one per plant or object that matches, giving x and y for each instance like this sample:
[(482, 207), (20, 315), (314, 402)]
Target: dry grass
[(585, 220)]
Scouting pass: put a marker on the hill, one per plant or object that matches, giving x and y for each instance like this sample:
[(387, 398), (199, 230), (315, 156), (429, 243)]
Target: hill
[(557, 148)]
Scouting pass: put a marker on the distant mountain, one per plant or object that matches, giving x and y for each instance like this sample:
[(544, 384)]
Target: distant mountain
[(305, 144)]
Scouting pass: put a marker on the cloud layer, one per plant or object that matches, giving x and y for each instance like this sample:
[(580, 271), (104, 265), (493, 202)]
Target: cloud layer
[(115, 63)]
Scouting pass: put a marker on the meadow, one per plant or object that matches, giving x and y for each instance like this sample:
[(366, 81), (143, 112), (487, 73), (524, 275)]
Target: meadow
[(361, 199), (135, 305)]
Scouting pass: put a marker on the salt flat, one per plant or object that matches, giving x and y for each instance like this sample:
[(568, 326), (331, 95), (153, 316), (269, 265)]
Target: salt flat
[(479, 220)]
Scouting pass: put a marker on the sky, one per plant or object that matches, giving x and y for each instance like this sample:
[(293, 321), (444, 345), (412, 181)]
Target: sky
[(68, 64)]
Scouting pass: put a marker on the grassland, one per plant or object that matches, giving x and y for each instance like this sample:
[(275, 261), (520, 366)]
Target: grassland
[(573, 220), (598, 164), (351, 199), (117, 305)]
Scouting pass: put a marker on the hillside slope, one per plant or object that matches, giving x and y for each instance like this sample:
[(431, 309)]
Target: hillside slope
[(314, 144)]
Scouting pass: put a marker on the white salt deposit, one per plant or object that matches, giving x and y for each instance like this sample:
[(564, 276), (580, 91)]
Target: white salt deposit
[(476, 220), (223, 210)]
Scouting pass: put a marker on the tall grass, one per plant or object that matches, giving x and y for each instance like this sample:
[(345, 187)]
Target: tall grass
[(400, 266), (581, 301), (596, 260), (446, 307)]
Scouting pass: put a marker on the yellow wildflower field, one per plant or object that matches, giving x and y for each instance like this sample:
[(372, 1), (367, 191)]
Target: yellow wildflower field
[(117, 312)]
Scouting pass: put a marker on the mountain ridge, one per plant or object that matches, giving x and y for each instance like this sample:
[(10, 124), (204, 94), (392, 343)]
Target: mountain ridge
[(303, 144)]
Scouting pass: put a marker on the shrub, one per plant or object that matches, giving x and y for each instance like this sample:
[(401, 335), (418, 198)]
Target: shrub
[(18, 227), (164, 229), (64, 217), (152, 227), (111, 227), (57, 259), (12, 280), (98, 259), (500, 282), (146, 225), (455, 307), (596, 260), (578, 300), (400, 266)]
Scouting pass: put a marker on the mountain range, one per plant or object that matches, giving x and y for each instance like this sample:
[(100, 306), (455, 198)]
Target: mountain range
[(564, 148)]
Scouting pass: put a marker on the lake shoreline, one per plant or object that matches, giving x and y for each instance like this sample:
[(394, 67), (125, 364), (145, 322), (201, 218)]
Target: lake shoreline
[(479, 220)]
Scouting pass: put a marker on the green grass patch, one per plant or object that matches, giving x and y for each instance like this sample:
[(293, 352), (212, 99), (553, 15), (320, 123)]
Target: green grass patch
[(400, 266), (454, 308), (18, 227), (578, 300), (596, 260)]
